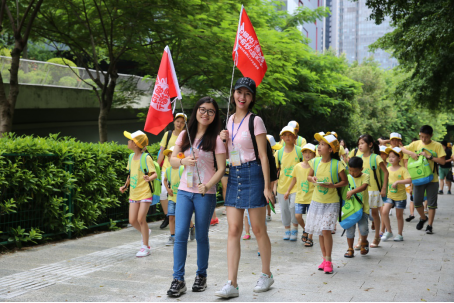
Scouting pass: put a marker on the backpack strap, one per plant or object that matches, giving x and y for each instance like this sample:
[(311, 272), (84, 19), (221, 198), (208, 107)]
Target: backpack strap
[(356, 151), (215, 163), (375, 167), (169, 135), (253, 139), (169, 176), (299, 140), (180, 170), (299, 153), (144, 168), (316, 164), (130, 161)]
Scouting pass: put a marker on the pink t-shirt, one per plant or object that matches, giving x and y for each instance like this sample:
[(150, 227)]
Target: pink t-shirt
[(243, 141), (205, 163)]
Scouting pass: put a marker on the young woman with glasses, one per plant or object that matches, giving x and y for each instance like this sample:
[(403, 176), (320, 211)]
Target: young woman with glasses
[(197, 190)]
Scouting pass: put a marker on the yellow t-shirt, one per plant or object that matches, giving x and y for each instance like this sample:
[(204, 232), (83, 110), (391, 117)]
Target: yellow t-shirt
[(304, 188), (172, 141), (399, 193), (324, 194), (435, 148), (373, 186), (341, 151), (288, 162), (364, 179), (352, 153), (174, 181), (139, 189)]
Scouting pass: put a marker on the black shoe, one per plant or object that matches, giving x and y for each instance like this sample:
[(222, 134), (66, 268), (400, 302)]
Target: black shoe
[(410, 217), (429, 229), (421, 223), (177, 288), (200, 284), (440, 192), (164, 223)]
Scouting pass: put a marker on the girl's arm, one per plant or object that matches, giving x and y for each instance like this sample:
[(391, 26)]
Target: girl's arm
[(357, 190), (292, 183), (261, 146), (405, 181), (384, 187), (224, 135), (169, 191), (124, 187), (408, 152), (220, 160), (150, 178), (310, 176), (175, 162), (161, 155)]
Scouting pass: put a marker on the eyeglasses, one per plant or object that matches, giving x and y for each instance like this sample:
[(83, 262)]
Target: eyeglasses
[(210, 112)]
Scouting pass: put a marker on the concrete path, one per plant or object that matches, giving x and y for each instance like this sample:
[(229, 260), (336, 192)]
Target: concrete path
[(103, 267)]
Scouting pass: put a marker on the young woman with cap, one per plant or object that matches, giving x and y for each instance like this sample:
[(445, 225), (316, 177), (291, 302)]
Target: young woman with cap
[(166, 143), (197, 189), (248, 187)]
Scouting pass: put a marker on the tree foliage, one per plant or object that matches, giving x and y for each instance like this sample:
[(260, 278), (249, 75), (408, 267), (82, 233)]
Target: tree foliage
[(423, 43)]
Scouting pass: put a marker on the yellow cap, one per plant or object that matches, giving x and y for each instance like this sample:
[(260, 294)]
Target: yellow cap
[(139, 138), (294, 124), (396, 149), (288, 129), (395, 136), (330, 140), (273, 143), (332, 133), (168, 151), (182, 116), (309, 146)]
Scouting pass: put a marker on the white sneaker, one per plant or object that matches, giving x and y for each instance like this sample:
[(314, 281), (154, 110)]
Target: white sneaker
[(386, 236), (228, 291), (143, 252), (268, 218), (171, 241), (294, 235), (264, 283), (398, 238)]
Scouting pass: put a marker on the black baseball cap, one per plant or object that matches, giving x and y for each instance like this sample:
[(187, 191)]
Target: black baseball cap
[(246, 82)]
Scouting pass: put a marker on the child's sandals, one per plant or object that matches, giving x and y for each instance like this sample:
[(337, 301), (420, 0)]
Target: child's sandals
[(357, 246), (304, 236), (309, 243), (350, 253), (375, 243), (364, 248)]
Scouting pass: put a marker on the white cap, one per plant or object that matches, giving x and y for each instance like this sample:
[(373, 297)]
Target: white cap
[(181, 115), (168, 151), (294, 124), (309, 146), (383, 149), (287, 129), (273, 143), (396, 149), (395, 136)]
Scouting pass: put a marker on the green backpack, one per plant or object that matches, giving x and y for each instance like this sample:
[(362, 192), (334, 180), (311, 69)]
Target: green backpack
[(155, 185), (169, 174), (352, 209), (419, 170), (342, 191), (373, 165), (280, 154)]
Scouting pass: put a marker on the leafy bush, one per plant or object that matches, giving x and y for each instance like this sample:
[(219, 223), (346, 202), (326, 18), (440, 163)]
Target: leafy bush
[(40, 176), (68, 81), (58, 72)]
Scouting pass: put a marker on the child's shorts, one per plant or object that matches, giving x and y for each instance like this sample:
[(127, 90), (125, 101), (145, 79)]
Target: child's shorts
[(399, 204), (375, 199), (301, 208), (147, 200), (363, 226), (171, 208)]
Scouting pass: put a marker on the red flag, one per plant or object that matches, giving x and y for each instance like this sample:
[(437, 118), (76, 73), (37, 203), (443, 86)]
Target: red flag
[(166, 87), (247, 50)]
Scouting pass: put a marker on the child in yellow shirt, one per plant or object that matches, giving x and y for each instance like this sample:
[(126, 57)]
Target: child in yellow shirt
[(397, 196), (304, 191)]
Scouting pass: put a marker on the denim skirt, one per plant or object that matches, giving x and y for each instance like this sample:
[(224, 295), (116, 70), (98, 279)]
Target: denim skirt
[(245, 186)]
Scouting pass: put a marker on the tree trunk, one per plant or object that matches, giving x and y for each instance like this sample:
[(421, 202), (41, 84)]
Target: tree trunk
[(105, 106), (6, 116)]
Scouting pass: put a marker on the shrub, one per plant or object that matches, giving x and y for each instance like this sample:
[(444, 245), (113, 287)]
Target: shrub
[(68, 81), (58, 72)]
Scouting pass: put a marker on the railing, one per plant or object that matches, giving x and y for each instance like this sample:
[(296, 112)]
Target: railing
[(50, 74)]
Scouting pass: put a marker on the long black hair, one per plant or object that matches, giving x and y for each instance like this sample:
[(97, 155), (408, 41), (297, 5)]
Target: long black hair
[(212, 132), (368, 139)]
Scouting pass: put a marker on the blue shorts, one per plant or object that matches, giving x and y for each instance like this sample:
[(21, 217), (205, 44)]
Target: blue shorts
[(399, 204), (301, 208), (171, 208), (245, 186)]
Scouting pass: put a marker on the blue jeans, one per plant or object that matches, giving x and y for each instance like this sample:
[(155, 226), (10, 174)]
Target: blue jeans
[(203, 208)]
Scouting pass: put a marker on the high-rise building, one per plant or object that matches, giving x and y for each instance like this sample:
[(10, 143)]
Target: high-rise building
[(350, 31), (313, 31)]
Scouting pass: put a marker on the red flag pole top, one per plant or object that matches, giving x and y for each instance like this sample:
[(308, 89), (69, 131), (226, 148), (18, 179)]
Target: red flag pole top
[(165, 88), (247, 53)]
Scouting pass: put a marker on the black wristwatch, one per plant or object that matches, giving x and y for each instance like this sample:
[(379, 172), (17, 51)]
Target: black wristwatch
[(431, 157)]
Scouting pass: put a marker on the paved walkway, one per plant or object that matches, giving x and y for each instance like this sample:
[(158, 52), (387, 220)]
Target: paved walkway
[(103, 267)]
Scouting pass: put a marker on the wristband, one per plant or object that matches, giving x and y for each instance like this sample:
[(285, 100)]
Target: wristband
[(180, 161)]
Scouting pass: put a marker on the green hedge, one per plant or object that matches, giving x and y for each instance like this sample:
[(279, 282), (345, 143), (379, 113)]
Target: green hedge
[(57, 185)]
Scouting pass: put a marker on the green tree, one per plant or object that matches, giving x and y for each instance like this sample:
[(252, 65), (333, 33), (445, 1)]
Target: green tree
[(423, 43)]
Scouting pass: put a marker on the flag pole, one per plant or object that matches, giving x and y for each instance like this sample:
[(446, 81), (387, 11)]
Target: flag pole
[(190, 143), (233, 69)]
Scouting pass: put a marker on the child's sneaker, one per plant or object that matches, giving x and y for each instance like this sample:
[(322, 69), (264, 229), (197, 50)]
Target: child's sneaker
[(177, 288), (322, 266), (228, 291), (440, 192), (214, 221), (268, 218), (328, 267), (429, 229), (143, 252), (247, 237), (294, 235), (192, 233), (264, 283), (171, 241), (286, 234), (200, 284), (421, 223), (386, 236), (449, 192), (398, 238)]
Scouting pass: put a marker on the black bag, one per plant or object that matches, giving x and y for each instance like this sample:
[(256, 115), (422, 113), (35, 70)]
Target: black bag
[(269, 151), (449, 176)]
